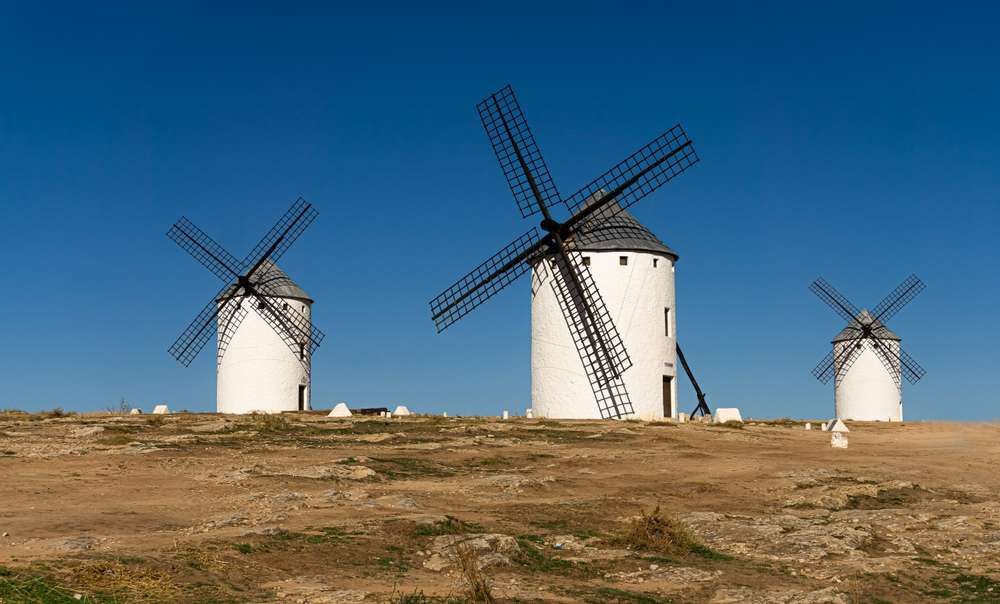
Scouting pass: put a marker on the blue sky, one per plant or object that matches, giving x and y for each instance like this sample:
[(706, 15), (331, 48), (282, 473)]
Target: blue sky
[(855, 143)]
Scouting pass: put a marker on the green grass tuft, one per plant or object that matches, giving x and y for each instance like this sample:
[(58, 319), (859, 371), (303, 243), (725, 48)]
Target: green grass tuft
[(17, 588)]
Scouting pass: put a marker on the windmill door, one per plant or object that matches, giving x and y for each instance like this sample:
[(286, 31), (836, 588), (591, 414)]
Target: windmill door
[(302, 397), (668, 407)]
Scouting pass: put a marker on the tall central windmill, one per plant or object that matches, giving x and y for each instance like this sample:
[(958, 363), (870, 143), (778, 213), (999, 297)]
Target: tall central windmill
[(273, 346), (867, 361), (592, 210)]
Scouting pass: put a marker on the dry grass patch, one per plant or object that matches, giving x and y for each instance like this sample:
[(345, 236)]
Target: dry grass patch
[(268, 423), (449, 526), (129, 582), (478, 587), (419, 597), (660, 532)]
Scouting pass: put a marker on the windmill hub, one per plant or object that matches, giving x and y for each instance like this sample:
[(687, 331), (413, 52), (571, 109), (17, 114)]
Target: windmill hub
[(552, 226)]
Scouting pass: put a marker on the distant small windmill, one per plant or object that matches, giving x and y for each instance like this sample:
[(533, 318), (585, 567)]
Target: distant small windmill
[(592, 212), (266, 377), (867, 361)]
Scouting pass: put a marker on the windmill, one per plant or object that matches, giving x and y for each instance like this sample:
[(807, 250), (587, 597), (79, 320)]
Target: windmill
[(867, 362), (592, 210), (263, 379)]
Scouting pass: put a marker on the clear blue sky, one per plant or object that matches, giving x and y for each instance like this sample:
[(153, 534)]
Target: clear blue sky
[(855, 143)]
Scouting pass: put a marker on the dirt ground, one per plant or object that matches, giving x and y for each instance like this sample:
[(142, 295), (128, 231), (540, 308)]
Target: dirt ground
[(304, 508)]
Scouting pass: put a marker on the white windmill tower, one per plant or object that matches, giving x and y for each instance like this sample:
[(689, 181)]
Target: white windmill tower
[(257, 369), (867, 358), (266, 338), (867, 392), (634, 272)]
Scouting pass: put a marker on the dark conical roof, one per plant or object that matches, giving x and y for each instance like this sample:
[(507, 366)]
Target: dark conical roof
[(864, 317), (614, 229), (273, 282)]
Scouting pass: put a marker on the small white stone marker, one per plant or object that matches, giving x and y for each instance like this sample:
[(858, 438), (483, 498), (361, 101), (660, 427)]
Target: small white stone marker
[(161, 410), (681, 418), (341, 410), (823, 426), (528, 413), (837, 425), (445, 414), (135, 411), (727, 414), (401, 410), (838, 440), (809, 426), (505, 414)]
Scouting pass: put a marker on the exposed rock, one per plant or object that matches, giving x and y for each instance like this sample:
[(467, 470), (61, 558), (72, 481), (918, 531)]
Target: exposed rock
[(336, 471), (227, 521), (315, 590), (77, 544), (515, 483), (679, 576), (373, 438), (87, 432), (219, 425), (493, 550), (745, 595), (402, 502), (354, 494)]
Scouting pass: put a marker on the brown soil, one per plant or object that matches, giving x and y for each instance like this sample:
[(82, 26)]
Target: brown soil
[(302, 508)]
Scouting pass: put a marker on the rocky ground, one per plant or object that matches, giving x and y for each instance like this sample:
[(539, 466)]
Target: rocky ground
[(303, 508)]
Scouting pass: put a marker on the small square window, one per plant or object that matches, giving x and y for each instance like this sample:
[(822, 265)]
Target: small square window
[(623, 260), (586, 260)]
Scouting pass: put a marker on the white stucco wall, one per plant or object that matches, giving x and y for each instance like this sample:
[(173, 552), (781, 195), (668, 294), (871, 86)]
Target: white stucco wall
[(868, 392), (635, 295), (258, 371)]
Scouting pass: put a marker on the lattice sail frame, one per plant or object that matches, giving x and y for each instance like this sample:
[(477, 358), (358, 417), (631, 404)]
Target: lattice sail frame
[(652, 166), (513, 142), (896, 361), (483, 282), (228, 307), (604, 357)]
